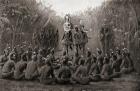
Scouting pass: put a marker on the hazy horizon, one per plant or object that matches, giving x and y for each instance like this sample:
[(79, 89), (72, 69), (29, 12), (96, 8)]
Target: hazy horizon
[(63, 7)]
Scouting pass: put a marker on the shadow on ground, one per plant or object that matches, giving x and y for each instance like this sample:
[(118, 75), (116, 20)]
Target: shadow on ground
[(126, 83)]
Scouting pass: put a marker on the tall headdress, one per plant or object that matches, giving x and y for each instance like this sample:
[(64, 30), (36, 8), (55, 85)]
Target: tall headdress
[(67, 16), (67, 25)]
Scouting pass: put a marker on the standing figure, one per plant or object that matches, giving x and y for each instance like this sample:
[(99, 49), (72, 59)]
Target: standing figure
[(77, 39), (35, 39), (105, 39), (42, 38), (56, 38), (84, 39), (67, 40), (102, 39)]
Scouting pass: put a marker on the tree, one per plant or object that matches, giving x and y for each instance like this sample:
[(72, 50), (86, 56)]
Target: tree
[(25, 18)]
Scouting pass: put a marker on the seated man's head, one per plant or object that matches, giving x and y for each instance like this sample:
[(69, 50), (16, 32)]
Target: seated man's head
[(24, 57), (106, 60), (41, 52), (94, 59), (6, 53), (99, 51), (82, 61), (118, 51), (48, 62), (107, 55), (124, 54), (114, 57), (34, 58), (76, 28), (128, 54), (12, 56), (112, 53), (88, 54), (65, 61)]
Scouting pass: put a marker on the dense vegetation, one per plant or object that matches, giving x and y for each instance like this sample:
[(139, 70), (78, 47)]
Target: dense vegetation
[(21, 19), (121, 16)]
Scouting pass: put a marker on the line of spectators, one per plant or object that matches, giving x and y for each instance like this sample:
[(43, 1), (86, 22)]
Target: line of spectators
[(36, 64)]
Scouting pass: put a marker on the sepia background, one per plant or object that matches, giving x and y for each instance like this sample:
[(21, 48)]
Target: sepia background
[(22, 20)]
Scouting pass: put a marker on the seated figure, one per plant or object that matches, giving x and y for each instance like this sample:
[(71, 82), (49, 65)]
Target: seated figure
[(76, 61), (64, 73), (31, 71), (115, 67), (127, 64), (3, 59), (47, 73), (106, 70), (94, 71), (8, 68), (89, 61), (81, 74), (20, 68)]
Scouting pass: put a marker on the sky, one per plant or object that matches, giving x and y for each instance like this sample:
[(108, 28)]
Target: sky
[(71, 6)]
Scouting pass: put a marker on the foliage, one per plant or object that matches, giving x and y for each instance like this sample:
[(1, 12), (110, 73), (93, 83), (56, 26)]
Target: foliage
[(121, 16), (26, 17)]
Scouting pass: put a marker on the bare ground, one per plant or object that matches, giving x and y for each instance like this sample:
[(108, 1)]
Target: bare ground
[(125, 83)]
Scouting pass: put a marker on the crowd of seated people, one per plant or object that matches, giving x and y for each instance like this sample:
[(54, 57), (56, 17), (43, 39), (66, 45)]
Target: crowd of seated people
[(43, 66)]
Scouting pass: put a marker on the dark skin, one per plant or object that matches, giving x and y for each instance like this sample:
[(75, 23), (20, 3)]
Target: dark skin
[(3, 59), (116, 65), (64, 73), (47, 73), (77, 45), (61, 71)]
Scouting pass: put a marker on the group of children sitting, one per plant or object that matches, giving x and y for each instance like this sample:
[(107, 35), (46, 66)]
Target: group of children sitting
[(47, 69)]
